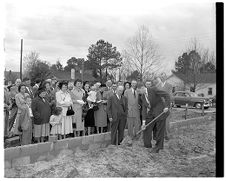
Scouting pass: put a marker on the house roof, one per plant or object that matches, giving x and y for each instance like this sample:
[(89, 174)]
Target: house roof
[(201, 78), (61, 75)]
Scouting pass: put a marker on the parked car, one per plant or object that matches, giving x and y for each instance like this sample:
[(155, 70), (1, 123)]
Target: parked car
[(180, 98), (213, 100)]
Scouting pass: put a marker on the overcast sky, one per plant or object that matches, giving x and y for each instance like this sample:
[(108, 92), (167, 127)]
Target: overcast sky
[(58, 30)]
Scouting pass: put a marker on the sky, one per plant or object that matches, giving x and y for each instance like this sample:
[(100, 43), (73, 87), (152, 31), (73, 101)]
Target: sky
[(59, 30)]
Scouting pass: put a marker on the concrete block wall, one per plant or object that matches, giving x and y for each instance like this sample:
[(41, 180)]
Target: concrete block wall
[(22, 155)]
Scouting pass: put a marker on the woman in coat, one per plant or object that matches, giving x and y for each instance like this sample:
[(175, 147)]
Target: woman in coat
[(13, 90), (41, 111), (63, 100), (50, 95), (77, 95), (20, 100), (100, 115)]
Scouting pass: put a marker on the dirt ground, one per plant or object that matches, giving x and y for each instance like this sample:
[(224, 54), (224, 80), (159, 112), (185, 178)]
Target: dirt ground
[(189, 153)]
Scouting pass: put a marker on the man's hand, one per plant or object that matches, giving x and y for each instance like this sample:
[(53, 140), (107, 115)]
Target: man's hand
[(165, 110), (143, 127), (110, 119)]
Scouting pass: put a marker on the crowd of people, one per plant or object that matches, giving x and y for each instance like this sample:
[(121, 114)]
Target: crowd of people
[(72, 108)]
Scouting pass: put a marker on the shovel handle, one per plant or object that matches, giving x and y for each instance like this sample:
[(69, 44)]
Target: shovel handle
[(151, 122)]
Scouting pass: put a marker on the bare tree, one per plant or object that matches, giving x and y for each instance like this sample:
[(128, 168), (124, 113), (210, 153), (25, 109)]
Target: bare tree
[(126, 69), (141, 52), (208, 56), (36, 68), (29, 60), (194, 44)]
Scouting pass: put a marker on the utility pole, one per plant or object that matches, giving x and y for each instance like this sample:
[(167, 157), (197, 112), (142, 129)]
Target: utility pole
[(82, 71), (106, 63), (21, 55)]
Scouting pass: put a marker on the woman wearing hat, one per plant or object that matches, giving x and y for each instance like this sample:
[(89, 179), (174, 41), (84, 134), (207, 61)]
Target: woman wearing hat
[(100, 115), (20, 99), (77, 98), (41, 111)]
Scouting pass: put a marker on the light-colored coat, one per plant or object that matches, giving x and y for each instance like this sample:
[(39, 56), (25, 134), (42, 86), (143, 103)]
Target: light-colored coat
[(63, 100), (133, 106)]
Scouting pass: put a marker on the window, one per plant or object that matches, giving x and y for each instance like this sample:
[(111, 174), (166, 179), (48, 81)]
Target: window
[(210, 91)]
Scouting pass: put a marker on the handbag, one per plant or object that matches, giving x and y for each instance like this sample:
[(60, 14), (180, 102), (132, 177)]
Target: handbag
[(95, 106), (70, 111)]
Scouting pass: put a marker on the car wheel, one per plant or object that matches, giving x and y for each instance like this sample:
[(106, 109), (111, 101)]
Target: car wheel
[(178, 105), (198, 105)]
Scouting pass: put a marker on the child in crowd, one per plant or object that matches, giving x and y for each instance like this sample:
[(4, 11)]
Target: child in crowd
[(92, 97), (55, 121)]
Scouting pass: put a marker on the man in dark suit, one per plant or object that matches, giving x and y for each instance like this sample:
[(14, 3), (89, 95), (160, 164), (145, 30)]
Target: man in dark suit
[(110, 92), (155, 101), (117, 110)]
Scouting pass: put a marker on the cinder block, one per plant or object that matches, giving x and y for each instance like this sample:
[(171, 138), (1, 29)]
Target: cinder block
[(44, 147), (94, 146), (11, 153), (87, 139), (27, 150), (21, 161), (107, 137), (99, 138), (42, 158), (74, 142), (13, 140), (61, 144), (8, 164)]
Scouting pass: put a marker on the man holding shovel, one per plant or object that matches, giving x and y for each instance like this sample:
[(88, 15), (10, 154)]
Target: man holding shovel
[(155, 101)]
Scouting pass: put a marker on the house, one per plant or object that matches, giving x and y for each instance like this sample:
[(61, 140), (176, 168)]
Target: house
[(61, 75), (206, 83)]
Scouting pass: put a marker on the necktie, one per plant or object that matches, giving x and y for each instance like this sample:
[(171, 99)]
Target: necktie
[(134, 92)]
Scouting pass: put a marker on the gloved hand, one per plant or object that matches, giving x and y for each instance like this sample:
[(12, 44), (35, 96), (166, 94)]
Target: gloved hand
[(165, 110), (143, 127)]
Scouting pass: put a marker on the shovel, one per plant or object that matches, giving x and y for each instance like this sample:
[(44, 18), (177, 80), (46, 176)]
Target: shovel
[(150, 123), (128, 141)]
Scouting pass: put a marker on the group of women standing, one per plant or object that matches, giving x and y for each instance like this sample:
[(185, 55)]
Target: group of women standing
[(87, 114), (47, 113)]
